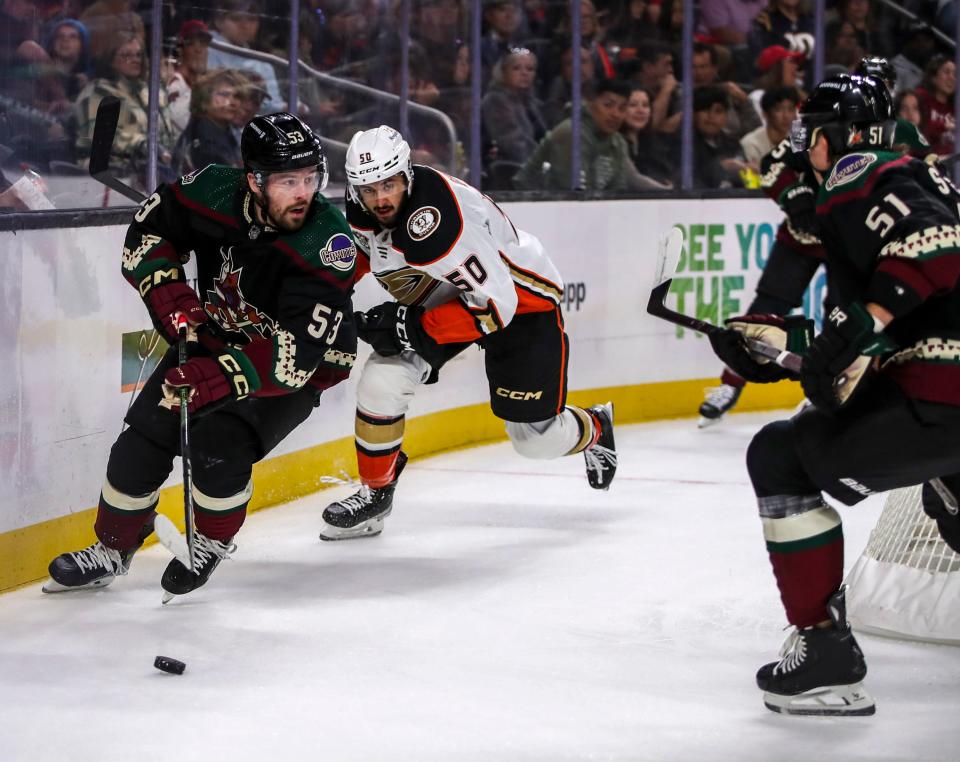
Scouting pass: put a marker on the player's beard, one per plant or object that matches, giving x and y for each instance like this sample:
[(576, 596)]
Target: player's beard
[(281, 218)]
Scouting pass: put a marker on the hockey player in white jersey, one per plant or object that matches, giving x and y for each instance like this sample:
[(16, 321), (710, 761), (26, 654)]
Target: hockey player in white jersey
[(461, 274)]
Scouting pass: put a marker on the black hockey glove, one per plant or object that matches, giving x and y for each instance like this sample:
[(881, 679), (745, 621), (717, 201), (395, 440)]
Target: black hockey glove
[(792, 333), (841, 356), (391, 328), (799, 203)]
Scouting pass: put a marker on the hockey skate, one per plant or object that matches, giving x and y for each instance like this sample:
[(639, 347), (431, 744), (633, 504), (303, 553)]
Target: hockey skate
[(95, 566), (207, 554), (601, 457), (361, 514), (720, 400), (820, 670)]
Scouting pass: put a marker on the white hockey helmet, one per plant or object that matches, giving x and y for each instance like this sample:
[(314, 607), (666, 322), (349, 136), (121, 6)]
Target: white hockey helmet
[(374, 155)]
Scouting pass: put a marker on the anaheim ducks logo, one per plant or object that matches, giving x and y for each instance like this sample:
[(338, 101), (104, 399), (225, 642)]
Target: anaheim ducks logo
[(340, 252), (408, 286), (423, 222)]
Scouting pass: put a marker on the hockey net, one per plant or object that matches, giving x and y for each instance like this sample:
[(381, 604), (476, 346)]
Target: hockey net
[(907, 581)]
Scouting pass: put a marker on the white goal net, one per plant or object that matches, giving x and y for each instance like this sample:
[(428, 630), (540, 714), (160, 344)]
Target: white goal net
[(906, 583)]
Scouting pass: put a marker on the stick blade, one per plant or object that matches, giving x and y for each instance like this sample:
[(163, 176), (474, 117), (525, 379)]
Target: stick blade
[(104, 129), (670, 248), (170, 537)]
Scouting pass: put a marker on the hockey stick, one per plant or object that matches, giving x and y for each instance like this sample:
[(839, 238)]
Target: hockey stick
[(104, 131), (182, 329), (670, 248)]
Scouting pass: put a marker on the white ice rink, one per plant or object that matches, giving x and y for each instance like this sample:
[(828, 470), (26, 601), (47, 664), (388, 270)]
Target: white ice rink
[(507, 613)]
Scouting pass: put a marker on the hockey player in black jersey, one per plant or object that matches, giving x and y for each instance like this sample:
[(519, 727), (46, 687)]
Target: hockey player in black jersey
[(883, 377), (273, 326), (461, 274), (797, 253)]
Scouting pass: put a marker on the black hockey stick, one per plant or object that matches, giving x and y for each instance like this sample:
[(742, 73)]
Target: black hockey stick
[(104, 131), (670, 248), (183, 329)]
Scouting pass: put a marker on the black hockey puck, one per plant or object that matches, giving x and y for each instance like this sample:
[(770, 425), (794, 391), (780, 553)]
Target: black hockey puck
[(166, 664)]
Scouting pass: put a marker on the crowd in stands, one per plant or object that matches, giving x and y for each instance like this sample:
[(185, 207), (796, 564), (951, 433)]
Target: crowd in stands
[(752, 63)]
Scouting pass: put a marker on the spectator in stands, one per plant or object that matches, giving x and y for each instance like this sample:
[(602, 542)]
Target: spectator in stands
[(68, 45), (706, 71), (106, 19), (19, 50), (843, 45), (728, 21), (556, 106), (237, 22), (652, 152), (635, 23), (347, 34), (591, 36), (604, 159), (871, 36), (936, 95), (718, 159), (68, 69), (251, 95), (510, 110), (652, 70), (907, 106), (916, 50), (501, 27), (193, 47), (779, 110), (120, 73), (670, 23), (782, 23), (776, 67), (438, 26), (209, 137)]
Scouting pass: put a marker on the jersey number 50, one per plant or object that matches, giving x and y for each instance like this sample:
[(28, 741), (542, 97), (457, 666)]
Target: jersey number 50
[(470, 270)]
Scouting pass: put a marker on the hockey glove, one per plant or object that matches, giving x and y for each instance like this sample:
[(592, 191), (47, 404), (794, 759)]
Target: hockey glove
[(391, 328), (841, 356), (792, 333), (799, 203), (167, 300), (940, 504), (213, 382)]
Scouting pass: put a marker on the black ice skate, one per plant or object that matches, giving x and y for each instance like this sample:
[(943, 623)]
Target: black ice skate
[(820, 671), (720, 400), (207, 554), (601, 457), (95, 566), (361, 514)]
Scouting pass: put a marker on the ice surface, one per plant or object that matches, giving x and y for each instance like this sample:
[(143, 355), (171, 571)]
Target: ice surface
[(508, 612)]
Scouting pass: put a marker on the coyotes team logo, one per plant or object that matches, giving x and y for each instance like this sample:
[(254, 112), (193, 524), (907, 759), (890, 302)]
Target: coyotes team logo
[(339, 252), (227, 306)]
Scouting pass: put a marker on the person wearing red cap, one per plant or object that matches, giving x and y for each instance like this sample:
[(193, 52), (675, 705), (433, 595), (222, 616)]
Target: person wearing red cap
[(776, 67), (781, 24), (193, 46)]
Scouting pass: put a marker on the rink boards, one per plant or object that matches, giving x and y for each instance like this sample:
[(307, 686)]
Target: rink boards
[(73, 336)]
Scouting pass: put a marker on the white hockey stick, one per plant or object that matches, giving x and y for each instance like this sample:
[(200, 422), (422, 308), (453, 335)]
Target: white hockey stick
[(669, 251)]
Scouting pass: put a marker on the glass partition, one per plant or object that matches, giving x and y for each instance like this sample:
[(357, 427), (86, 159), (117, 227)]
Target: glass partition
[(511, 95)]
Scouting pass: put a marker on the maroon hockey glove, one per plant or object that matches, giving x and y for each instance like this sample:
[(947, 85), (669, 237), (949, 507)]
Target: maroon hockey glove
[(166, 301), (792, 333), (213, 382)]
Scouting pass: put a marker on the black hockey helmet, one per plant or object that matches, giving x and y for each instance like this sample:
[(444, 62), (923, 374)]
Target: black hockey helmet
[(852, 112), (878, 68), (280, 143)]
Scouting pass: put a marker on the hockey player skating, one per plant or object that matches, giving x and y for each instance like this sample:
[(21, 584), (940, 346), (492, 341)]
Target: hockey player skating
[(274, 327), (797, 253), (882, 376), (461, 274)]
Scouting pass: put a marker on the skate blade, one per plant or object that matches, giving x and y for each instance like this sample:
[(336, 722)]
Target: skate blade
[(52, 586), (704, 422), (830, 701), (167, 597), (369, 528)]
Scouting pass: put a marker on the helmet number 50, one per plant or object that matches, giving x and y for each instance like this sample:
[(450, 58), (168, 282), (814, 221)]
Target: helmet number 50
[(320, 327)]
